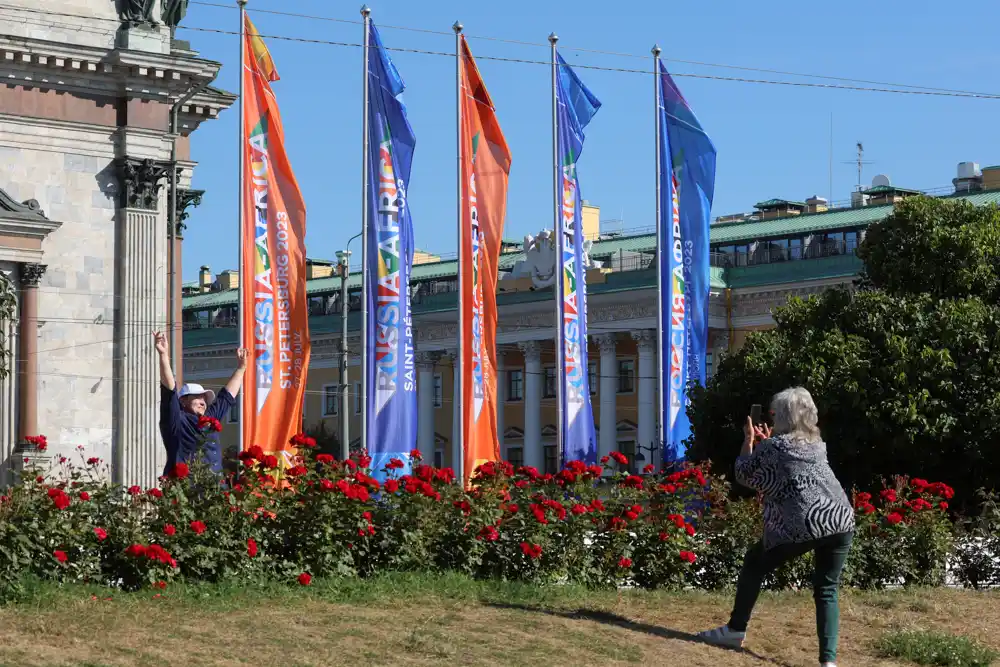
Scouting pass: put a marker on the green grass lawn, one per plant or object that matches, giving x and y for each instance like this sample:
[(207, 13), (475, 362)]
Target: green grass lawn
[(424, 620)]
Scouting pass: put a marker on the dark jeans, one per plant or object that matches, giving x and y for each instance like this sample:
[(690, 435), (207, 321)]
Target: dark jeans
[(830, 554)]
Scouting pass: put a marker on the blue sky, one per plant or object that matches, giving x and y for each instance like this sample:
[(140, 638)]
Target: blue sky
[(772, 141)]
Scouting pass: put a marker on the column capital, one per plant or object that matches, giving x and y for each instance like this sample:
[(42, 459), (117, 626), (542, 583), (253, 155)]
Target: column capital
[(141, 180), (646, 338), (607, 342), (186, 199), (427, 360), (31, 274), (532, 350)]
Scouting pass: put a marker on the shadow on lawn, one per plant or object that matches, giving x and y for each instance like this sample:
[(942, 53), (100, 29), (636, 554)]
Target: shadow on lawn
[(607, 618)]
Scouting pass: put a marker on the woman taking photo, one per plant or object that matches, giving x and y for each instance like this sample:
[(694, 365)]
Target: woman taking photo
[(805, 509)]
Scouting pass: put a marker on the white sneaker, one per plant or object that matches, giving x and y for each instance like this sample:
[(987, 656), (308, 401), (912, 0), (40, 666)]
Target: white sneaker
[(723, 636), (828, 664)]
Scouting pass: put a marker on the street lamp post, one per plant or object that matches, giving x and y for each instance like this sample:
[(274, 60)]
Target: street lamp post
[(652, 449), (344, 259)]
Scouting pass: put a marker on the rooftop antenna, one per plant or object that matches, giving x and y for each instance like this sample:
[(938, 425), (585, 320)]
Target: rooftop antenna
[(860, 161)]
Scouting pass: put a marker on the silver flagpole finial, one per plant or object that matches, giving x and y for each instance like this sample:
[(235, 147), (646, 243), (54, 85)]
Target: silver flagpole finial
[(241, 3), (366, 11), (553, 38), (656, 50), (457, 27)]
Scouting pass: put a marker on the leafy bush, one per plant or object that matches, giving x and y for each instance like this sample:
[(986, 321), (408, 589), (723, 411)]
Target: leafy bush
[(977, 548), (598, 526)]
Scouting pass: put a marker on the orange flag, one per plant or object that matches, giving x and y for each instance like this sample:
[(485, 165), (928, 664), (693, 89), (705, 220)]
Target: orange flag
[(485, 166), (273, 301)]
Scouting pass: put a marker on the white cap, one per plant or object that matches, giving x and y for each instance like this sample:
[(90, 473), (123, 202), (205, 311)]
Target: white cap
[(192, 389)]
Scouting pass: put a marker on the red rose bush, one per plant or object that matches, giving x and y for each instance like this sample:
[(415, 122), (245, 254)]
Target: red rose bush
[(300, 514)]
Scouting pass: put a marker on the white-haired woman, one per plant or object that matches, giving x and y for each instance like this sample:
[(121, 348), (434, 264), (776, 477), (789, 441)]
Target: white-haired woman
[(805, 509)]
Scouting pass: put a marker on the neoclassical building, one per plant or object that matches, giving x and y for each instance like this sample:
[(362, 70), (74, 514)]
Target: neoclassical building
[(759, 260), (96, 114)]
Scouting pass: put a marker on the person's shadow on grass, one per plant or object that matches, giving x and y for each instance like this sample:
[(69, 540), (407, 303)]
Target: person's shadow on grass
[(607, 618)]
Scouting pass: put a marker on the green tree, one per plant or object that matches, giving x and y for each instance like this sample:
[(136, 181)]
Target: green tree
[(905, 371)]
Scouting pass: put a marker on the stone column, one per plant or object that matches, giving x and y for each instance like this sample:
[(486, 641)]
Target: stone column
[(456, 413), (609, 394), (646, 340), (8, 394), (139, 455), (175, 310), (27, 357), (501, 399), (425, 404), (533, 383)]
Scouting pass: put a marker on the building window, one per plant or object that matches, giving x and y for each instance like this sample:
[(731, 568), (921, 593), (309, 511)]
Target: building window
[(627, 447), (551, 460), (438, 458), (515, 456), (592, 378), (331, 400), (550, 382), (234, 412), (515, 385), (438, 391), (357, 398), (626, 376)]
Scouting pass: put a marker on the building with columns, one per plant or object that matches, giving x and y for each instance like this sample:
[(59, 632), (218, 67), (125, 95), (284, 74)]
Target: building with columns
[(783, 249), (96, 114)]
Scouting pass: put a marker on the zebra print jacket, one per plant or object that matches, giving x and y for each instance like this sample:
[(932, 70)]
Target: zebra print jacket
[(803, 500)]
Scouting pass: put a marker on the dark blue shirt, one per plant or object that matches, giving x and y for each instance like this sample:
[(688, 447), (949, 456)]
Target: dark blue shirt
[(180, 432)]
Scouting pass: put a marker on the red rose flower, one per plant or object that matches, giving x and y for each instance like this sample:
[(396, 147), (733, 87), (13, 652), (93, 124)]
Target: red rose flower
[(325, 459), (251, 547), (180, 471), (894, 518), (619, 458), (93, 461), (60, 556), (101, 534), (155, 492), (270, 461), (532, 551), (136, 551), (416, 455), (689, 529), (888, 495), (160, 585), (649, 468), (169, 529), (687, 556), (134, 490), (84, 496), (579, 509), (664, 537), (943, 505), (391, 486), (394, 464), (59, 498), (39, 441), (209, 424), (633, 482), (198, 527), (305, 579)]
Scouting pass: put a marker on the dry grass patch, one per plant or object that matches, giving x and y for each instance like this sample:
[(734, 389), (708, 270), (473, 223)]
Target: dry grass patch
[(424, 621)]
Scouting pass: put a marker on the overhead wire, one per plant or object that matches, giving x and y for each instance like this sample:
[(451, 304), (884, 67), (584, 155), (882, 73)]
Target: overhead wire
[(904, 89), (619, 54)]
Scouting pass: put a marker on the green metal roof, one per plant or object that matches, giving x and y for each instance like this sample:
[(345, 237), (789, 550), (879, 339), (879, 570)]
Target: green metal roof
[(888, 189), (720, 234), (772, 203)]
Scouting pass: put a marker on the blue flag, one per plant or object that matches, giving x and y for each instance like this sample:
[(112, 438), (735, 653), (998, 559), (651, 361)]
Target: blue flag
[(390, 369), (575, 106), (687, 187)]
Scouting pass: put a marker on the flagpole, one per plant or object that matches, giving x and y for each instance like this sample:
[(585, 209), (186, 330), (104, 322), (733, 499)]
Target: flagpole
[(558, 229), (243, 418), (664, 426), (366, 13), (459, 445)]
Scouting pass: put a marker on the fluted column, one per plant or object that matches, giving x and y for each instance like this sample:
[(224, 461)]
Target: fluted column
[(8, 393), (646, 340), (456, 411), (27, 362), (139, 455), (425, 404), (501, 400), (533, 383), (609, 394)]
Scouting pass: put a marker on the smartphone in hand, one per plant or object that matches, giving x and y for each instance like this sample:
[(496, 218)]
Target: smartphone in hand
[(755, 411)]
